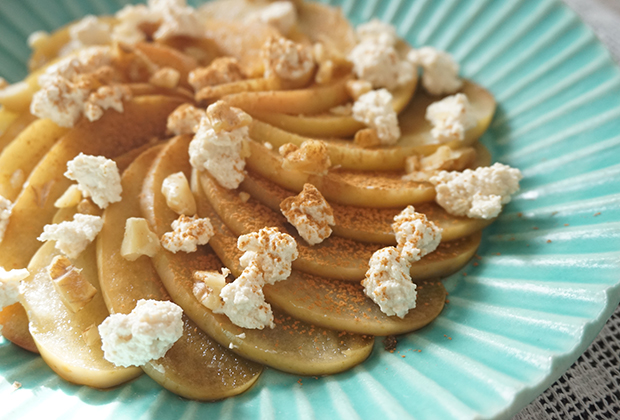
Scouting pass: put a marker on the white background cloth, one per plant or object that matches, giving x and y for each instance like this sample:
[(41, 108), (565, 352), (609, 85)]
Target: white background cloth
[(591, 388)]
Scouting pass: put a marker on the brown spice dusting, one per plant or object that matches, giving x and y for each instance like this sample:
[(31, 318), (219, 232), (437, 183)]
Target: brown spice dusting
[(548, 241), (475, 264), (566, 224), (535, 227), (597, 214), (389, 343)]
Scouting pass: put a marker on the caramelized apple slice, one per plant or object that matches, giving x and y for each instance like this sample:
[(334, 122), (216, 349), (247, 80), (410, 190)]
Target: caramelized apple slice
[(183, 370), (367, 224), (14, 322), (353, 188), (313, 100), (335, 257), (59, 333), (323, 125), (301, 348), (6, 119), (212, 93), (20, 157), (23, 120), (164, 56), (415, 139)]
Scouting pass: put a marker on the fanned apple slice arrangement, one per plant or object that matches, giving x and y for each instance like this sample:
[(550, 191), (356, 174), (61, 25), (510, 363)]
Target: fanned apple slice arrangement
[(198, 193)]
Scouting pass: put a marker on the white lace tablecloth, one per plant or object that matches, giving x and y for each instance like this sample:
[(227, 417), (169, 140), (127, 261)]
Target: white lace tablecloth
[(591, 388)]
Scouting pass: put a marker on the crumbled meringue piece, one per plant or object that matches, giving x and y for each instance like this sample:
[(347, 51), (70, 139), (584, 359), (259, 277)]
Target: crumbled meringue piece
[(388, 282), (451, 118), (187, 234), (286, 59), (185, 119), (311, 158), (440, 74), (415, 234), (104, 98), (279, 14), (72, 237), (310, 213), (97, 178), (377, 31), (271, 251), (376, 111), (477, 194), (59, 100), (9, 286), (219, 71)]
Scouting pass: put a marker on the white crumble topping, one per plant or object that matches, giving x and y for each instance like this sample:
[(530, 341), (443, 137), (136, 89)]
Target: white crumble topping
[(440, 72), (451, 118), (377, 31), (388, 282), (178, 20), (85, 61), (477, 194), (244, 301), (375, 110), (130, 18), (60, 100), (219, 71), (145, 334), (279, 14), (97, 177), (311, 158), (104, 98), (219, 144), (271, 251), (179, 196), (6, 207), (185, 119), (286, 59), (187, 234), (72, 237), (90, 30), (310, 213), (415, 234), (9, 285)]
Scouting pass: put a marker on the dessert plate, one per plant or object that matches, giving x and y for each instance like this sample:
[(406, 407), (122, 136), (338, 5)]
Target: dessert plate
[(546, 276)]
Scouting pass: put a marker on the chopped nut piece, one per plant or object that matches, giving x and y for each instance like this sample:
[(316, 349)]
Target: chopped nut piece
[(342, 110), (222, 153), (185, 119), (207, 288), (138, 240), (178, 194), (37, 38), (286, 59), (187, 234), (450, 117), (310, 214), (367, 137), (440, 72), (97, 177), (375, 110), (74, 290), (221, 70), (412, 164), (6, 207), (9, 285), (388, 282), (244, 196), (478, 194), (166, 77), (91, 336), (356, 88), (74, 236), (70, 198), (312, 157), (448, 159), (415, 234)]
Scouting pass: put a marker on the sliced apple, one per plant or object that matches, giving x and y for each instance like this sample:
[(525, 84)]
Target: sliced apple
[(353, 188), (58, 331), (14, 322), (165, 56), (183, 370), (22, 121), (212, 93), (6, 119), (20, 157), (367, 224), (312, 100), (415, 139), (292, 346), (323, 125)]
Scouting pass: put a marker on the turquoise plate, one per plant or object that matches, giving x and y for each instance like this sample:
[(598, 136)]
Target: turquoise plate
[(547, 277)]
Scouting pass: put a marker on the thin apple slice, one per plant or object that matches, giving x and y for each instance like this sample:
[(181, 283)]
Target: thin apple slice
[(353, 188), (23, 120), (312, 100), (335, 257), (212, 93), (367, 224), (301, 348), (59, 333), (20, 157), (415, 139), (165, 56), (14, 322), (6, 119), (195, 367), (323, 125)]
